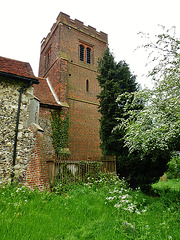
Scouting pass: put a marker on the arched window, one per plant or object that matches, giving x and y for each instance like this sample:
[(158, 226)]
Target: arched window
[(85, 52), (88, 55), (87, 85), (81, 53)]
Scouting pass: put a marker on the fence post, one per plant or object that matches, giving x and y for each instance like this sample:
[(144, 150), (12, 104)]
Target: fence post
[(53, 173)]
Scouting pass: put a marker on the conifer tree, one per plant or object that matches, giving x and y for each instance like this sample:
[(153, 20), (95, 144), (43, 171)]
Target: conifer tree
[(114, 79)]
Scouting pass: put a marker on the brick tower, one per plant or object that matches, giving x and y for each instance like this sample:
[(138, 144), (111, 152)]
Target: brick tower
[(68, 59)]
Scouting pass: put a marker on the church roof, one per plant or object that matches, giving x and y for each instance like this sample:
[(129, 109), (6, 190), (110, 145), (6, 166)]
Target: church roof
[(44, 92), (23, 71), (15, 68)]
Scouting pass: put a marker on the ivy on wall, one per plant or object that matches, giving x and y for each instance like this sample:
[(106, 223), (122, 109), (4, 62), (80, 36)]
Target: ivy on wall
[(60, 131)]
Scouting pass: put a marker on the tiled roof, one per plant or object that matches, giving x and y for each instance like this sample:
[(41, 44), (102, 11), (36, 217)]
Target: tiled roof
[(15, 67), (43, 92)]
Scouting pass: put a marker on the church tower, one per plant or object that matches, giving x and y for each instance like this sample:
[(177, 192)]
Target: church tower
[(68, 60)]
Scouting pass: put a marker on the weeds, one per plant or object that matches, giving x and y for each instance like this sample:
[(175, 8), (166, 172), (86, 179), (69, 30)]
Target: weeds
[(102, 208)]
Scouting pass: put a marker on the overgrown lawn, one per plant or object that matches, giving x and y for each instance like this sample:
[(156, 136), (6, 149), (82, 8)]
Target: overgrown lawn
[(102, 209)]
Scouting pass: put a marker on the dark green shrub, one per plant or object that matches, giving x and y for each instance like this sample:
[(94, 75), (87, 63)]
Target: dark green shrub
[(140, 172)]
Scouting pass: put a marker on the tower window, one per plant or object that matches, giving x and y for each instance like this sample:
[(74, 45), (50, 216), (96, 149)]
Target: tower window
[(87, 85), (85, 52), (81, 53), (88, 55)]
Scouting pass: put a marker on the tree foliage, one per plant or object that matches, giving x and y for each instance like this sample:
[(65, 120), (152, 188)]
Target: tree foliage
[(154, 131), (114, 79)]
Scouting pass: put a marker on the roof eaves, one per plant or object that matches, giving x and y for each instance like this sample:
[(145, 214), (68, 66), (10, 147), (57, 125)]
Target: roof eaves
[(51, 106), (14, 76)]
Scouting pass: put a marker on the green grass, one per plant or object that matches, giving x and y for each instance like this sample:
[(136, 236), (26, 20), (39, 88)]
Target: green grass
[(105, 209), (171, 184)]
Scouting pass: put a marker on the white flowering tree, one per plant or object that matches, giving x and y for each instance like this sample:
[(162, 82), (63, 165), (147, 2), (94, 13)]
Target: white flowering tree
[(153, 133)]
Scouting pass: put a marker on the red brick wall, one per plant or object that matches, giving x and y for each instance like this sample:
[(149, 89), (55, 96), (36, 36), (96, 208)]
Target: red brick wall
[(68, 76), (84, 131), (37, 172)]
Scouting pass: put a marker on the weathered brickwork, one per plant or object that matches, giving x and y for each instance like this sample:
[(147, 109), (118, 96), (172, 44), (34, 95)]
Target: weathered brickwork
[(37, 172), (84, 132), (60, 63), (9, 97)]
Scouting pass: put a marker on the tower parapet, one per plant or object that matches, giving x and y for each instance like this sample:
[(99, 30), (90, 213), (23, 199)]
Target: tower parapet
[(75, 24)]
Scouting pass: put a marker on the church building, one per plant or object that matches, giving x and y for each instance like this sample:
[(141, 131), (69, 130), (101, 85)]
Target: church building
[(68, 81)]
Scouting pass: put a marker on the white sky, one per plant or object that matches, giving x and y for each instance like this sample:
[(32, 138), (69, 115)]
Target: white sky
[(23, 24)]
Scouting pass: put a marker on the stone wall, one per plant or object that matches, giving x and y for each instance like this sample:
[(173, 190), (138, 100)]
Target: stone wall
[(45, 124), (9, 97)]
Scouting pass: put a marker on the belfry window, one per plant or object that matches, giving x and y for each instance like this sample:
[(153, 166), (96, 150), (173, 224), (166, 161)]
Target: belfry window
[(88, 55), (85, 53), (87, 85), (81, 53)]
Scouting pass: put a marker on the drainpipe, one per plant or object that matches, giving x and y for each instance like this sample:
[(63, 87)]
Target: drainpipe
[(16, 129)]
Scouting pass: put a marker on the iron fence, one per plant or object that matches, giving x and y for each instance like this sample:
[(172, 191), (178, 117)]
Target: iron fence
[(63, 169)]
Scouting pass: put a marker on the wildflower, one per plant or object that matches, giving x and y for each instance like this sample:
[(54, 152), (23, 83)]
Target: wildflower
[(128, 225), (18, 189), (111, 198), (125, 196), (144, 210), (138, 212), (117, 205)]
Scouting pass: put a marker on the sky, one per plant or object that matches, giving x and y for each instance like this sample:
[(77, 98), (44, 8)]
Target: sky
[(24, 23)]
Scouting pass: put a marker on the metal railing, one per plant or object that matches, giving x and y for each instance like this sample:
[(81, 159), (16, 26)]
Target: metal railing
[(63, 169)]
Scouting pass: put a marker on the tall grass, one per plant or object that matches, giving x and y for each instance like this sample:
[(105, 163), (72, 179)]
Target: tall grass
[(101, 209)]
